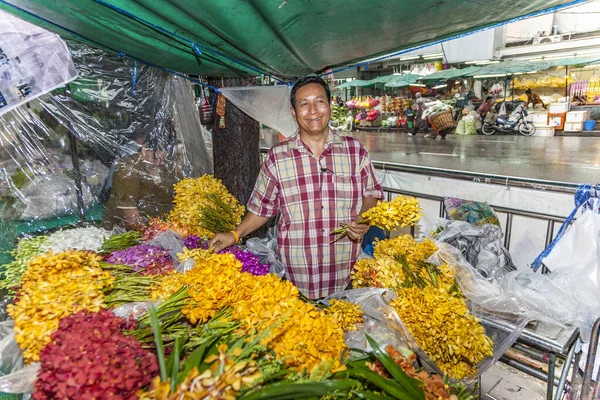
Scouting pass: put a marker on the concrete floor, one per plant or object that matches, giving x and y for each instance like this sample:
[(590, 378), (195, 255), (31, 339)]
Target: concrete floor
[(561, 159)]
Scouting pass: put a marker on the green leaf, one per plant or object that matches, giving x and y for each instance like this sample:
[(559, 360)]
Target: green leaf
[(389, 386), (413, 386), (285, 391), (175, 366), (367, 395), (212, 350), (193, 360), (160, 350)]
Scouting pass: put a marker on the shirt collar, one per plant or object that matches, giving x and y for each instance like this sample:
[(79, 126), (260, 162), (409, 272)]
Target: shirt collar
[(333, 139)]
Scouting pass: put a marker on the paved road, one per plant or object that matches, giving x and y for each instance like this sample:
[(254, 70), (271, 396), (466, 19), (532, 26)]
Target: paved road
[(562, 159)]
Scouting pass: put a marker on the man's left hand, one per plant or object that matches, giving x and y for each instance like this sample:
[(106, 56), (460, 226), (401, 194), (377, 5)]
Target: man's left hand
[(356, 231)]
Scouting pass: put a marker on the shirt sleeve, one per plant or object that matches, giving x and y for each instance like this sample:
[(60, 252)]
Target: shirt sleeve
[(371, 185), (264, 201), (126, 186)]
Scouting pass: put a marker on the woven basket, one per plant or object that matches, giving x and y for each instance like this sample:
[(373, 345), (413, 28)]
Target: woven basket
[(442, 121)]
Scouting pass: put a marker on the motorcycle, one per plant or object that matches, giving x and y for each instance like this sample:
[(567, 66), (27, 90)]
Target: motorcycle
[(514, 123)]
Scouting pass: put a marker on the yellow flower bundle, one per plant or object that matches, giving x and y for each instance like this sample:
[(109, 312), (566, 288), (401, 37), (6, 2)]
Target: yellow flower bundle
[(444, 328), (430, 303), (196, 202), (346, 313), (55, 286), (400, 212), (300, 334)]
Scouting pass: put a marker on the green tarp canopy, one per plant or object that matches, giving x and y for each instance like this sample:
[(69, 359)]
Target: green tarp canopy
[(402, 81), (354, 83), (510, 68), (450, 74), (286, 39), (525, 66)]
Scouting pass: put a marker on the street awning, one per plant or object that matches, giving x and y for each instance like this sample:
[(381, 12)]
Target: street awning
[(402, 80), (285, 39), (450, 74)]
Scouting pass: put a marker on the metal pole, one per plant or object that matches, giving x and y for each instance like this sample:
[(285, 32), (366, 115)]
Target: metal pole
[(551, 369), (589, 363), (567, 83), (76, 174)]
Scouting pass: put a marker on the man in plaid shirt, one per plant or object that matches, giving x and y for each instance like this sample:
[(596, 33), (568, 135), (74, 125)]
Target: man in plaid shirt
[(317, 180)]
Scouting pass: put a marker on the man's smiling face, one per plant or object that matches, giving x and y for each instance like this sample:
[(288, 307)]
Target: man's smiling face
[(312, 110)]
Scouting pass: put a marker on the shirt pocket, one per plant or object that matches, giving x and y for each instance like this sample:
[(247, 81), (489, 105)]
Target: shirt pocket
[(347, 193)]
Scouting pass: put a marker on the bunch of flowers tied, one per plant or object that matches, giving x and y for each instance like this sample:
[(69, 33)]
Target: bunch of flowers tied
[(298, 332), (203, 206), (90, 358), (389, 215), (144, 259), (55, 286), (430, 304)]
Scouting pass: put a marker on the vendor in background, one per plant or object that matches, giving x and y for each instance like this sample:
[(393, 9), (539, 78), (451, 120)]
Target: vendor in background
[(485, 107), (142, 187), (316, 180), (420, 121), (533, 98)]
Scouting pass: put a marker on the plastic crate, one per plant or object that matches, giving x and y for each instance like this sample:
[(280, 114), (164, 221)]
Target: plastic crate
[(557, 120)]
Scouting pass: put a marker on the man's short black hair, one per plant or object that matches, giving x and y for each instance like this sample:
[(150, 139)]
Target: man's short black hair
[(307, 80), (488, 98), (528, 91)]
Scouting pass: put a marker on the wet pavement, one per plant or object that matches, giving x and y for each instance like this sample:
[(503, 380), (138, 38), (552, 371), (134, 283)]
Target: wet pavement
[(561, 159)]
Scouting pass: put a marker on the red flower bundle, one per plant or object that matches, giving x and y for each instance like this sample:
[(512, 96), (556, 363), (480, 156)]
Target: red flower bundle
[(90, 358)]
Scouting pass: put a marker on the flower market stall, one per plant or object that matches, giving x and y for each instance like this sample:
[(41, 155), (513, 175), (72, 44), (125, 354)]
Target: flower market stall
[(156, 314)]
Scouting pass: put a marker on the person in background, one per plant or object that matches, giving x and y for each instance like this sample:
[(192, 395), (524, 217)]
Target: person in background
[(533, 98), (142, 187), (420, 121), (485, 107), (316, 180)]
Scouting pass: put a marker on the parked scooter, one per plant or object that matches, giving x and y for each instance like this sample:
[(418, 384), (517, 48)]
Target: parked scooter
[(508, 124)]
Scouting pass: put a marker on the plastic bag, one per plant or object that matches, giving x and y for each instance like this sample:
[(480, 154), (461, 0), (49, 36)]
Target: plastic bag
[(134, 310), (21, 381), (170, 241), (460, 128), (374, 304), (14, 377), (265, 249), (482, 247)]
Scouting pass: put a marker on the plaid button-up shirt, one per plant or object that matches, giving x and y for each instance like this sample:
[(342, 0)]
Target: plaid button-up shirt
[(314, 196)]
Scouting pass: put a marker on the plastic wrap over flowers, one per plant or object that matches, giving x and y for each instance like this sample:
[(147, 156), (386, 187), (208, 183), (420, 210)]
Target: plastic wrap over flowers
[(60, 152), (145, 259), (250, 262)]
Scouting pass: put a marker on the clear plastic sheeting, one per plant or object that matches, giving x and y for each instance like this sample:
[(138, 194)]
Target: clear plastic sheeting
[(269, 105), (117, 138), (481, 245), (374, 304)]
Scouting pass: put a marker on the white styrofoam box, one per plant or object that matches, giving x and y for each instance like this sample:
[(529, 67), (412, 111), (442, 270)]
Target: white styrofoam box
[(573, 126), (577, 116), (539, 117), (558, 108), (544, 131)]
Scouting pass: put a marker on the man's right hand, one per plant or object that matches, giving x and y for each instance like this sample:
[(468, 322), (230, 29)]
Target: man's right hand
[(222, 241)]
